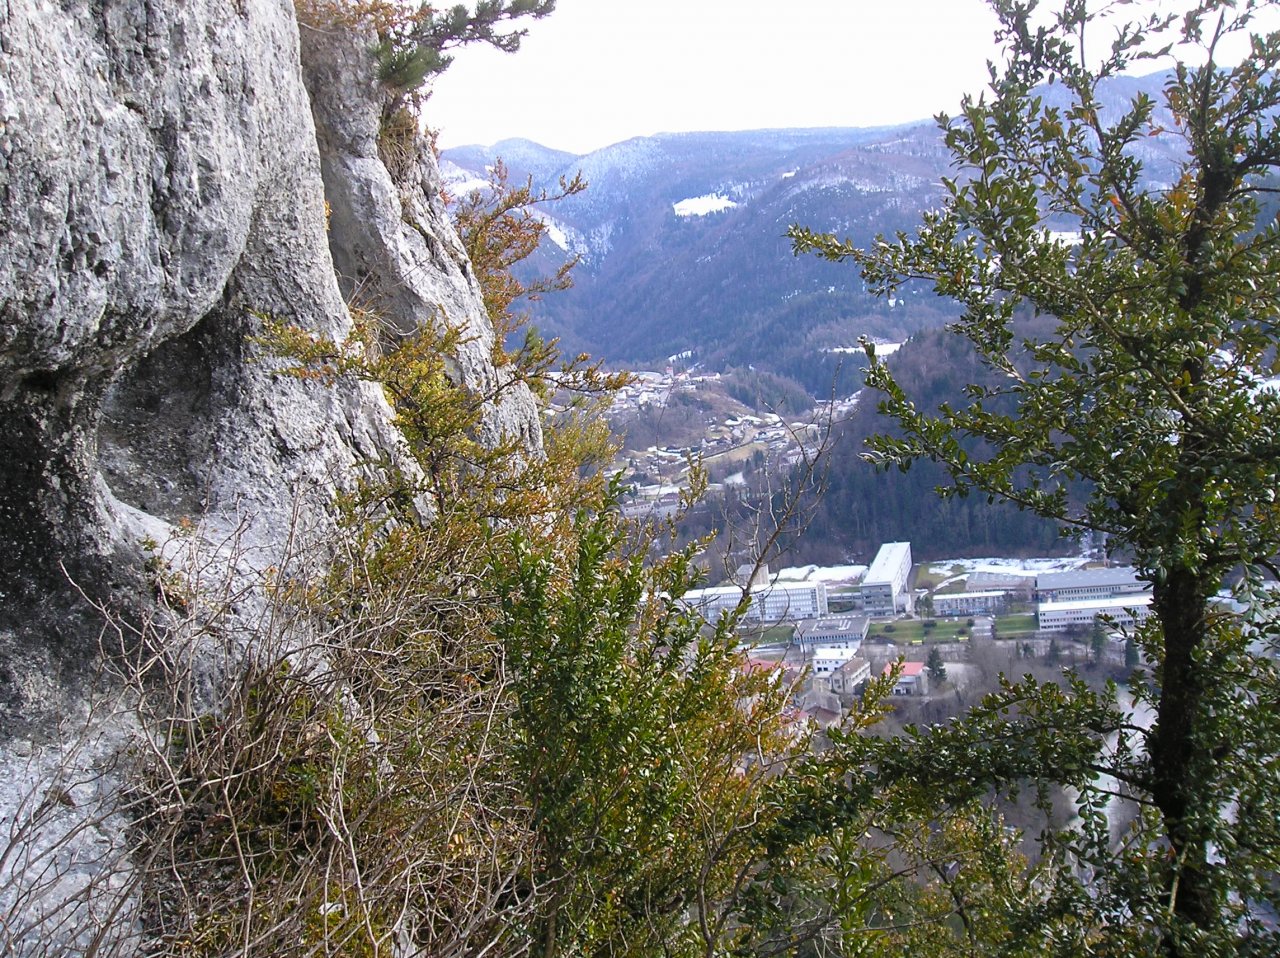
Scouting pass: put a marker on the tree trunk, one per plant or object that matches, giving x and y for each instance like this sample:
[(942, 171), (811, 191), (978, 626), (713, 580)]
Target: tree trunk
[(1180, 763)]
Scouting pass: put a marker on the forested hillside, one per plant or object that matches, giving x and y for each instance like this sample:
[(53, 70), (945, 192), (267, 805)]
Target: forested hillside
[(656, 279), (684, 248), (863, 506)]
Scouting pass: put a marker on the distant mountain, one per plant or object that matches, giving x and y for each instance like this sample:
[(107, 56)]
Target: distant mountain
[(683, 246)]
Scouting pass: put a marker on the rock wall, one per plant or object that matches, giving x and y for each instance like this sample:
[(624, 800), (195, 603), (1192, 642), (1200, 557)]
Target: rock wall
[(160, 192)]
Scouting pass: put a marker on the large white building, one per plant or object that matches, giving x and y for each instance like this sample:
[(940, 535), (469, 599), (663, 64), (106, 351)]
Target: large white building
[(777, 602), (1123, 612), (884, 588), (1076, 599), (1089, 584)]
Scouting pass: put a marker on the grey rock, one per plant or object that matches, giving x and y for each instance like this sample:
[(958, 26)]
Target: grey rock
[(394, 248), (161, 192)]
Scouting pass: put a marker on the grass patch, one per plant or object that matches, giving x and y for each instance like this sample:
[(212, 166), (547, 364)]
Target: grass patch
[(1017, 624), (913, 632)]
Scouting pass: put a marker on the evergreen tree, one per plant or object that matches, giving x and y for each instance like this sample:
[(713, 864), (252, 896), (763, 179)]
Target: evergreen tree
[(1097, 640), (937, 671), (1163, 309), (1131, 658)]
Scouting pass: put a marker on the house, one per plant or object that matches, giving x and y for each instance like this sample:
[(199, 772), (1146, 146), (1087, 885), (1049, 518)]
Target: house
[(912, 680), (851, 677), (828, 658)]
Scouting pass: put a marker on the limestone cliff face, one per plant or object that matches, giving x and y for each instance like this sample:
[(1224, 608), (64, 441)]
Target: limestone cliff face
[(160, 190)]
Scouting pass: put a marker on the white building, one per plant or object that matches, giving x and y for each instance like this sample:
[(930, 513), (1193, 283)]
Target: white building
[(1089, 584), (884, 588), (778, 602), (828, 658), (969, 603), (1123, 612), (847, 630), (788, 601)]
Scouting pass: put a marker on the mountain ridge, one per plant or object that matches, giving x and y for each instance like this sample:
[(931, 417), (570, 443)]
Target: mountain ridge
[(683, 237)]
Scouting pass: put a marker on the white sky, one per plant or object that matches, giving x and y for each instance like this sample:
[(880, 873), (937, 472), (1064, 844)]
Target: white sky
[(599, 71)]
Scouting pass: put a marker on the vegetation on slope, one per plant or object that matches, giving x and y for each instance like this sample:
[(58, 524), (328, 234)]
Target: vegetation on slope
[(491, 726)]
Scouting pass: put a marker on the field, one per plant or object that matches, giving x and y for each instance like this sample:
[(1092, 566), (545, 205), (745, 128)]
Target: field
[(1022, 623), (912, 631)]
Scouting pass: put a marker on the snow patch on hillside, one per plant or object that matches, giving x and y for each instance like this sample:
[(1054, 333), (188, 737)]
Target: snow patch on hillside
[(703, 205), (838, 574), (460, 182), (563, 235), (882, 349), (1027, 567)]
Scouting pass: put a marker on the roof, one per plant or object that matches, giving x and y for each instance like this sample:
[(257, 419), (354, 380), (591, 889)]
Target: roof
[(834, 652), (752, 665), (855, 665), (1139, 600), (982, 580), (1119, 575), (888, 561), (959, 596), (824, 718), (841, 625), (909, 669)]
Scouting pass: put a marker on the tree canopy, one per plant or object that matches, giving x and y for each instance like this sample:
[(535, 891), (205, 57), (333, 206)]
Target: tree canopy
[(1137, 229)]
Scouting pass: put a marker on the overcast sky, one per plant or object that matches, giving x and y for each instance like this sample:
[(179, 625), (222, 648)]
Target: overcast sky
[(599, 71)]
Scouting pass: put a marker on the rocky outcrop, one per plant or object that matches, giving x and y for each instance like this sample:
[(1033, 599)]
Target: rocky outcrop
[(393, 246), (161, 192)]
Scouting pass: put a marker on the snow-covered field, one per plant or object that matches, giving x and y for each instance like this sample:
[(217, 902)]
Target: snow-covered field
[(954, 569), (703, 205), (1027, 567), (837, 574)]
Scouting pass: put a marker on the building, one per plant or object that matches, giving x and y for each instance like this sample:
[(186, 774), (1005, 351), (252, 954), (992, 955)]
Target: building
[(850, 678), (848, 630), (828, 658), (970, 603), (1122, 611), (779, 602), (912, 680), (788, 601), (1020, 584), (884, 588), (1089, 584), (711, 602)]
